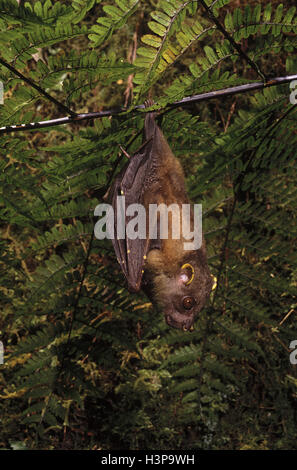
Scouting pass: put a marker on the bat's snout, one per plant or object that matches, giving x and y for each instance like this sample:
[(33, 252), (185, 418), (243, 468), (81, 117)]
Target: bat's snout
[(181, 321)]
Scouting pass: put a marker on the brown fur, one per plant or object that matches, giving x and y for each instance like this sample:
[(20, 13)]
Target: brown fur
[(163, 266)]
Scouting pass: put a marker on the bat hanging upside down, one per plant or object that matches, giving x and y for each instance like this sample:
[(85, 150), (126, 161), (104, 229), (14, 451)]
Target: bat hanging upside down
[(174, 278)]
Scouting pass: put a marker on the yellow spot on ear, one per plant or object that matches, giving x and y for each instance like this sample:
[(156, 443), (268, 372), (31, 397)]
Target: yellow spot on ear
[(128, 251), (122, 192), (188, 265), (142, 271), (215, 282), (144, 257)]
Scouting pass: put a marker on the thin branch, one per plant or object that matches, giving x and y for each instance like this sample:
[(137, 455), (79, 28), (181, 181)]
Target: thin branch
[(38, 88), (75, 306), (231, 40), (121, 110)]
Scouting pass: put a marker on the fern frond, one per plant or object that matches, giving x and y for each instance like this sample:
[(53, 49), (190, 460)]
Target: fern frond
[(116, 17)]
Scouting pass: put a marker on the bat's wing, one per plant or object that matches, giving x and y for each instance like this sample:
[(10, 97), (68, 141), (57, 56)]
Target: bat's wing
[(130, 183)]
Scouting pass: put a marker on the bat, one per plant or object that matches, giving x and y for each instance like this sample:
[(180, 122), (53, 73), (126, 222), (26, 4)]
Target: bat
[(176, 279)]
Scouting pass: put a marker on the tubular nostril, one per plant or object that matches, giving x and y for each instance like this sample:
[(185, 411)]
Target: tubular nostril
[(187, 327), (182, 321)]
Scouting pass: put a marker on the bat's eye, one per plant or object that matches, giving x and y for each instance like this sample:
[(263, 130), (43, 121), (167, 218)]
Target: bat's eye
[(188, 302)]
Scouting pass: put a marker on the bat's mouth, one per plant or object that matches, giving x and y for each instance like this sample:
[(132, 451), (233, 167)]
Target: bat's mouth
[(180, 321)]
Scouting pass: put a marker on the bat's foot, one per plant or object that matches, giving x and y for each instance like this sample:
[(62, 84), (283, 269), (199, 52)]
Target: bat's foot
[(148, 103)]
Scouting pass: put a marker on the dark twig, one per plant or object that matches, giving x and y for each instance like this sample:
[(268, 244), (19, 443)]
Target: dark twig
[(231, 40), (38, 88), (121, 110)]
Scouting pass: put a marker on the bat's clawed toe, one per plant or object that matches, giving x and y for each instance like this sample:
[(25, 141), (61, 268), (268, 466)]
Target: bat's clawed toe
[(148, 103)]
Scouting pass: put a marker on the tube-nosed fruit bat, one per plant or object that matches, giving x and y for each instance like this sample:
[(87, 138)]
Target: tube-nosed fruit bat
[(177, 280)]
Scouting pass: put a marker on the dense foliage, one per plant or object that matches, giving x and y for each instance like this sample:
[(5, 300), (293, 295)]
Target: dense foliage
[(88, 365)]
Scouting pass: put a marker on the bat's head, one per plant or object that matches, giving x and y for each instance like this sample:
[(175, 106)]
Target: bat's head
[(182, 294)]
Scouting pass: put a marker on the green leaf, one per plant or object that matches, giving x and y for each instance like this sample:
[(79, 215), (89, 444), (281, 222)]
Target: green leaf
[(151, 40), (157, 28)]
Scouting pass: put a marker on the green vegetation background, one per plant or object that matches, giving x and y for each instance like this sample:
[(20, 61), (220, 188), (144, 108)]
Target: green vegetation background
[(88, 365)]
